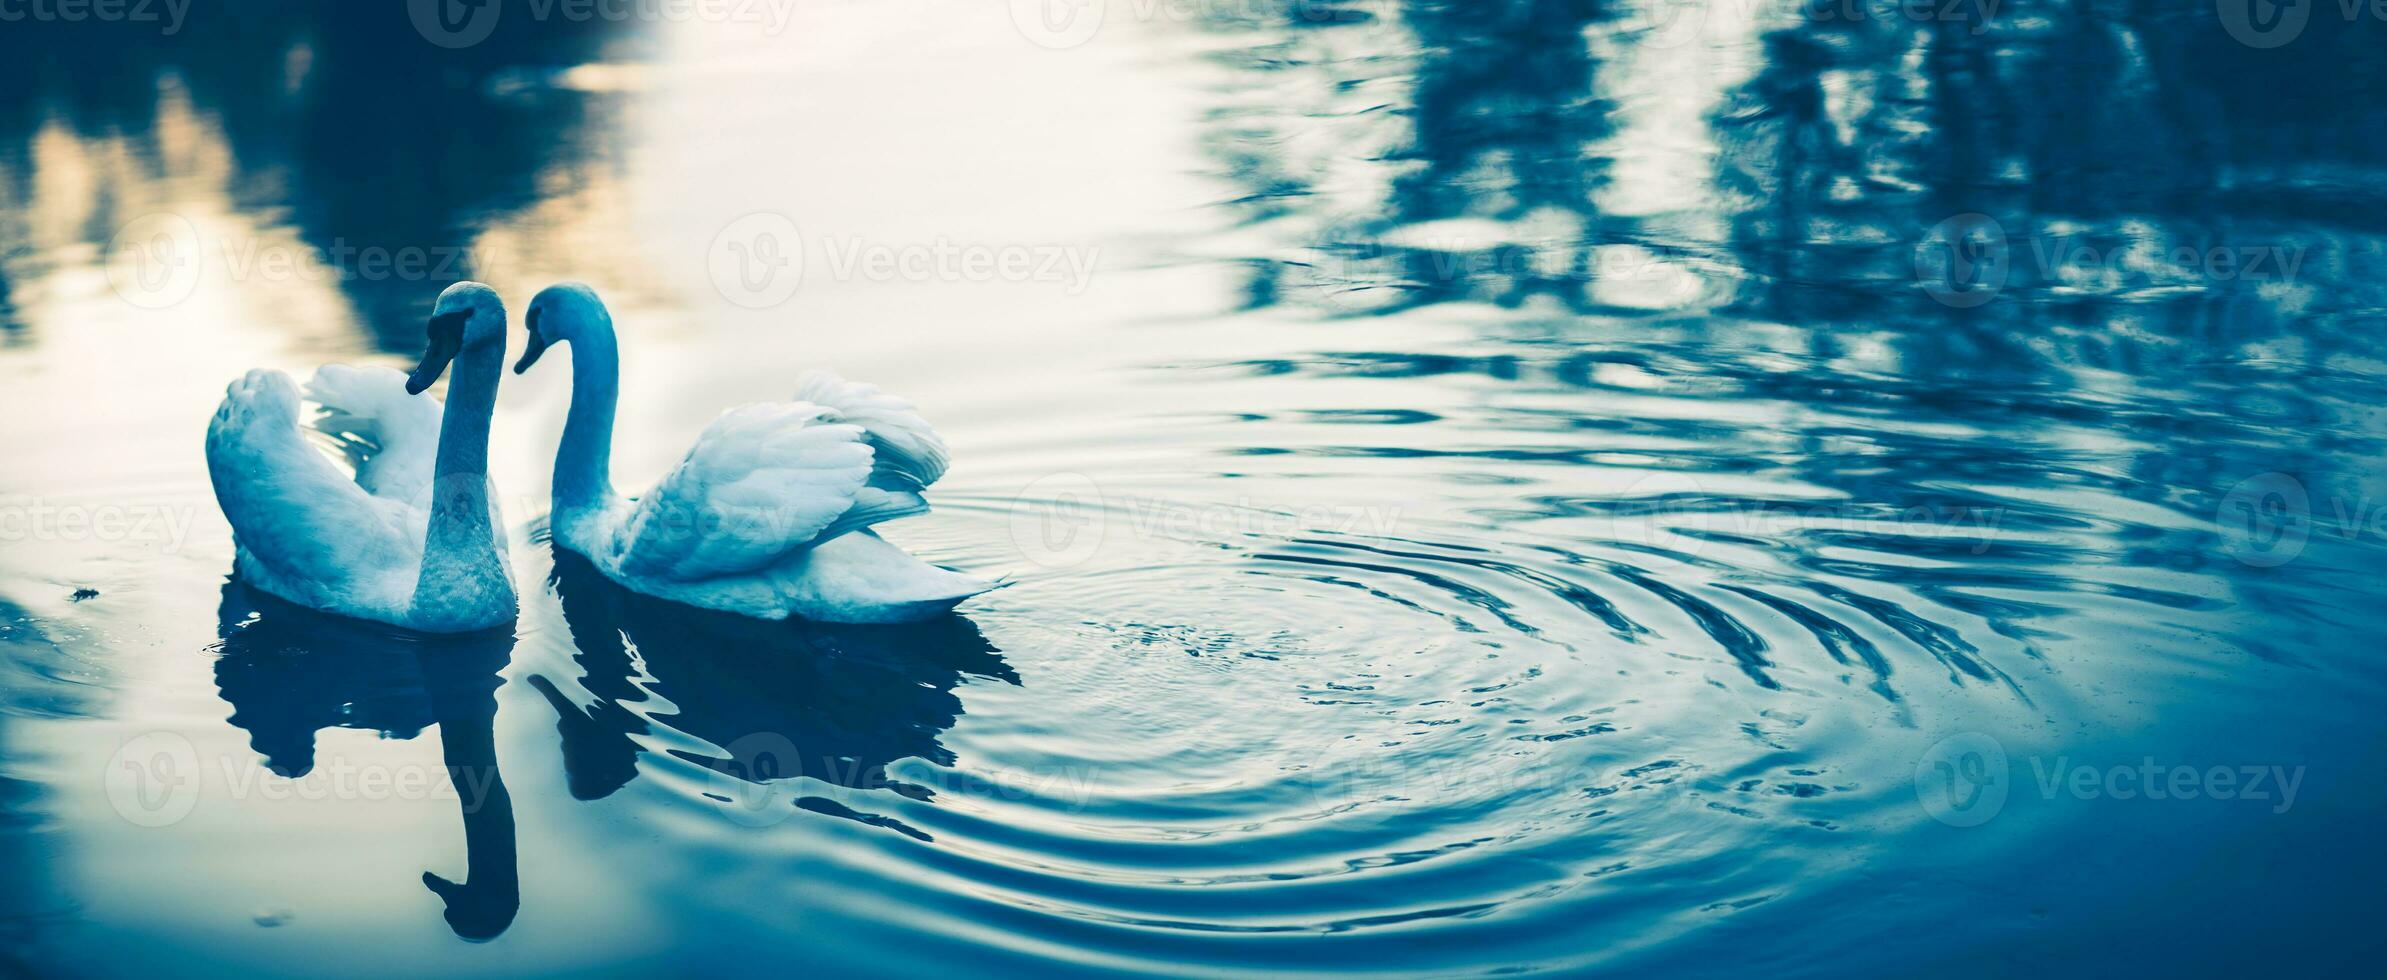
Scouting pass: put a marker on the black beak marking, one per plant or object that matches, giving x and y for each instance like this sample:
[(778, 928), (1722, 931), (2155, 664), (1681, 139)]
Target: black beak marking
[(446, 338), (538, 343)]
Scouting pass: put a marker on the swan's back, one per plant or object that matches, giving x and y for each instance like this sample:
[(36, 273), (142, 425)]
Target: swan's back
[(761, 484), (304, 530)]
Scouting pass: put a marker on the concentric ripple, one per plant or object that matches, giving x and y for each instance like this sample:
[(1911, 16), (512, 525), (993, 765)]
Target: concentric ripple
[(1230, 723), (1483, 488), (1560, 646)]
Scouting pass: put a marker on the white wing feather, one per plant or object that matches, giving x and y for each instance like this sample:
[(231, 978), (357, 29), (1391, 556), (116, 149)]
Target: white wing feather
[(762, 483), (910, 454), (312, 527), (391, 438)]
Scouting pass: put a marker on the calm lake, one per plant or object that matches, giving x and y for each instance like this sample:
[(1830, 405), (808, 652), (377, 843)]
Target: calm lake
[(1545, 486)]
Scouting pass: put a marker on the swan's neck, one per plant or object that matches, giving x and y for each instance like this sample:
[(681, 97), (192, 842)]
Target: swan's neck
[(461, 568), (584, 461)]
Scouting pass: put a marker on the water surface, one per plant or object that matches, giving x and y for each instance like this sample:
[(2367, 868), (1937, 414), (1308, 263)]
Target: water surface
[(1520, 487)]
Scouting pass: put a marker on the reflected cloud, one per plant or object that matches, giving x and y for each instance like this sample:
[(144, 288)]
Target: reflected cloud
[(384, 156)]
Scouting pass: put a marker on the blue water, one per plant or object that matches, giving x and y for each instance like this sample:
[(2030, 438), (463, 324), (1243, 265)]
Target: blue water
[(1539, 487)]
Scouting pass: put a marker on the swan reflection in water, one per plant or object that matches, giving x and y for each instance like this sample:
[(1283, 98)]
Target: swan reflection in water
[(776, 701), (838, 703), (289, 672)]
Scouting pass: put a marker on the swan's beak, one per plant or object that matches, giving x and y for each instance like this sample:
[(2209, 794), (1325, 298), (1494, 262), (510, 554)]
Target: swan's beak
[(538, 345), (447, 337)]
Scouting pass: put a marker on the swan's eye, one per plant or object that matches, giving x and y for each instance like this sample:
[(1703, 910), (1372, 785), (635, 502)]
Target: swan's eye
[(450, 327)]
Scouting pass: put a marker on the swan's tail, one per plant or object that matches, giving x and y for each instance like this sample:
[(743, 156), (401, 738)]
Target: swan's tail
[(932, 592), (260, 395), (861, 578)]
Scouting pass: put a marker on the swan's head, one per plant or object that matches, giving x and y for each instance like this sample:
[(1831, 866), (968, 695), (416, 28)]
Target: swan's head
[(560, 314), (469, 316)]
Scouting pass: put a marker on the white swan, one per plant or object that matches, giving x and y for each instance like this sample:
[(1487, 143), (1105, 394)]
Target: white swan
[(769, 514), (412, 539)]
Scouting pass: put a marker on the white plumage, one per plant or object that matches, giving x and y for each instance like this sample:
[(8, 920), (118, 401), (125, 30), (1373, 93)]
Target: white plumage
[(303, 530), (356, 545), (761, 482), (389, 437), (909, 453), (768, 515)]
